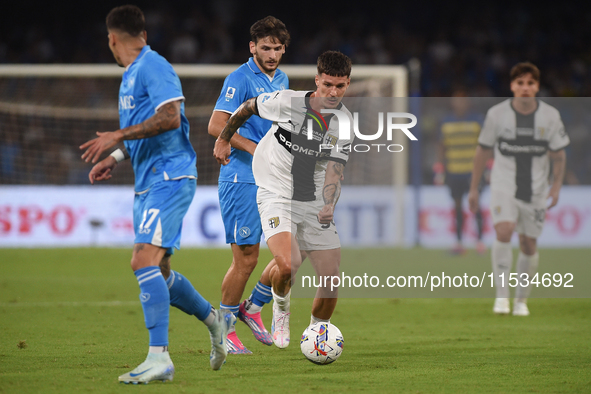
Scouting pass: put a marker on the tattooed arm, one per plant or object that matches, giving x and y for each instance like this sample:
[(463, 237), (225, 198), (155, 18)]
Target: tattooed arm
[(222, 148), (167, 118), (331, 191), (558, 168), (218, 121)]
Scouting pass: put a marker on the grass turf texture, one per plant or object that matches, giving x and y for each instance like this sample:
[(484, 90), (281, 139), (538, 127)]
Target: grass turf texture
[(71, 322)]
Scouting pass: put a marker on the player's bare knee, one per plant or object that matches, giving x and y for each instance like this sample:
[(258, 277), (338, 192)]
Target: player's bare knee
[(283, 266)]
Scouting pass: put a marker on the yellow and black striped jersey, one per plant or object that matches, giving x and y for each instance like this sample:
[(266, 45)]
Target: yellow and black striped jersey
[(459, 137)]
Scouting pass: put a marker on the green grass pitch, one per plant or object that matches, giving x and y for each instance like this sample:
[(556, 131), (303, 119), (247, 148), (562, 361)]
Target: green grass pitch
[(71, 322)]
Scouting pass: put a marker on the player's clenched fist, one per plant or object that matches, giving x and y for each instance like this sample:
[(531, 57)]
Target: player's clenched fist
[(221, 151), (326, 215)]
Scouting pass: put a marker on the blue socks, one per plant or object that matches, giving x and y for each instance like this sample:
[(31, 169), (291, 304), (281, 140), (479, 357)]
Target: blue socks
[(155, 301), (261, 294), (231, 308), (184, 296)]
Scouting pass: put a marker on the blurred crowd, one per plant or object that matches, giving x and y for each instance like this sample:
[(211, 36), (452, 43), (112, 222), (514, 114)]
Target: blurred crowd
[(458, 43)]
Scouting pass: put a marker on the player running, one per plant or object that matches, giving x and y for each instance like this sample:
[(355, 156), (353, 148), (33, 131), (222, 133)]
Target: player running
[(299, 182), (237, 189), (526, 134), (155, 133)]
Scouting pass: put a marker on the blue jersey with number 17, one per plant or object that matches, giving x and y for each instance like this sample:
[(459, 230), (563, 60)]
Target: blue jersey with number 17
[(246, 82), (149, 83)]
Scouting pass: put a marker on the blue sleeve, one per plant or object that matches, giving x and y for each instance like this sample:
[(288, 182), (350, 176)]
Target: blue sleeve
[(234, 92), (160, 81)]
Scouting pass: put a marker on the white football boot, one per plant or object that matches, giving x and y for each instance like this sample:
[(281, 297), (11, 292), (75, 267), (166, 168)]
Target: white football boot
[(158, 366), (520, 309), (218, 332), (280, 327), (501, 306)]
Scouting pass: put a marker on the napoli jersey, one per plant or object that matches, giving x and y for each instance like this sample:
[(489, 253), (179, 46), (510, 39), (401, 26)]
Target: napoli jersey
[(149, 83), (246, 82)]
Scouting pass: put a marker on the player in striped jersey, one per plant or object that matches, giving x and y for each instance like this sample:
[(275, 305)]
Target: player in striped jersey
[(298, 167), (526, 134), (457, 143)]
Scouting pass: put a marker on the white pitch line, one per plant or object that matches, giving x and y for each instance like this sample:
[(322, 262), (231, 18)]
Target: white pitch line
[(68, 303)]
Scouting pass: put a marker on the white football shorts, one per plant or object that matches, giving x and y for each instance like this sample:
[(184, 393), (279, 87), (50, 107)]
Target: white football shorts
[(528, 216), (279, 214)]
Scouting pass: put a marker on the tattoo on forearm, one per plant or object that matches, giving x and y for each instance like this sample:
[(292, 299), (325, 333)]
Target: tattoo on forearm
[(559, 167), (167, 118), (245, 111), (332, 191)]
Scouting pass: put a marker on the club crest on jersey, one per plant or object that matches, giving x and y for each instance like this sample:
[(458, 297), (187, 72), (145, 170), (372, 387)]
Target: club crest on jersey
[(331, 140), (274, 222), (540, 133), (230, 93)]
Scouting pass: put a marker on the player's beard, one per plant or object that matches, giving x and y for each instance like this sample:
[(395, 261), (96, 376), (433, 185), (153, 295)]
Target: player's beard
[(262, 64)]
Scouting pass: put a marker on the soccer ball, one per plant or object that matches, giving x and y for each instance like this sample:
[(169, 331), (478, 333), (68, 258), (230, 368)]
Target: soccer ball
[(322, 343)]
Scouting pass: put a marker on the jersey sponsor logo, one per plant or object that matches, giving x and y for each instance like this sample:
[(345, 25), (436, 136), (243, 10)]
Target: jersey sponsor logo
[(274, 222), (533, 149), (260, 90), (126, 102), (244, 232), (284, 139)]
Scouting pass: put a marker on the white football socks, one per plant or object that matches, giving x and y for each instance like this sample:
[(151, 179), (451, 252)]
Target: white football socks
[(314, 320), (502, 260), (525, 265), (282, 303)]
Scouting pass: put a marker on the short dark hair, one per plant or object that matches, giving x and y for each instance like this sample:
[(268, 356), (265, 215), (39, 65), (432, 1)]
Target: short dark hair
[(334, 63), (523, 68), (127, 18), (270, 27)]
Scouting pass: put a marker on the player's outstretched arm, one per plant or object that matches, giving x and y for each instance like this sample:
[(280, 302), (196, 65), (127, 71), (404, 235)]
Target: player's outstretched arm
[(482, 155), (222, 149), (218, 121), (558, 168), (331, 191), (167, 118)]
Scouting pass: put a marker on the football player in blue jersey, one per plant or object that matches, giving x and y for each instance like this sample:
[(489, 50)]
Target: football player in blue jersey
[(237, 188), (155, 134)]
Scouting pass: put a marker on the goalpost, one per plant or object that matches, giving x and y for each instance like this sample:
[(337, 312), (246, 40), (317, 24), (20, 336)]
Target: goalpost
[(47, 111)]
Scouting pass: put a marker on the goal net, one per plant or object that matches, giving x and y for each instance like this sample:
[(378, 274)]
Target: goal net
[(47, 111)]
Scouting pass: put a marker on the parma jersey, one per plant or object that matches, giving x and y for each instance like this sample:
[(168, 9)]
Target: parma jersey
[(246, 82), (148, 83), (288, 163), (521, 142)]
